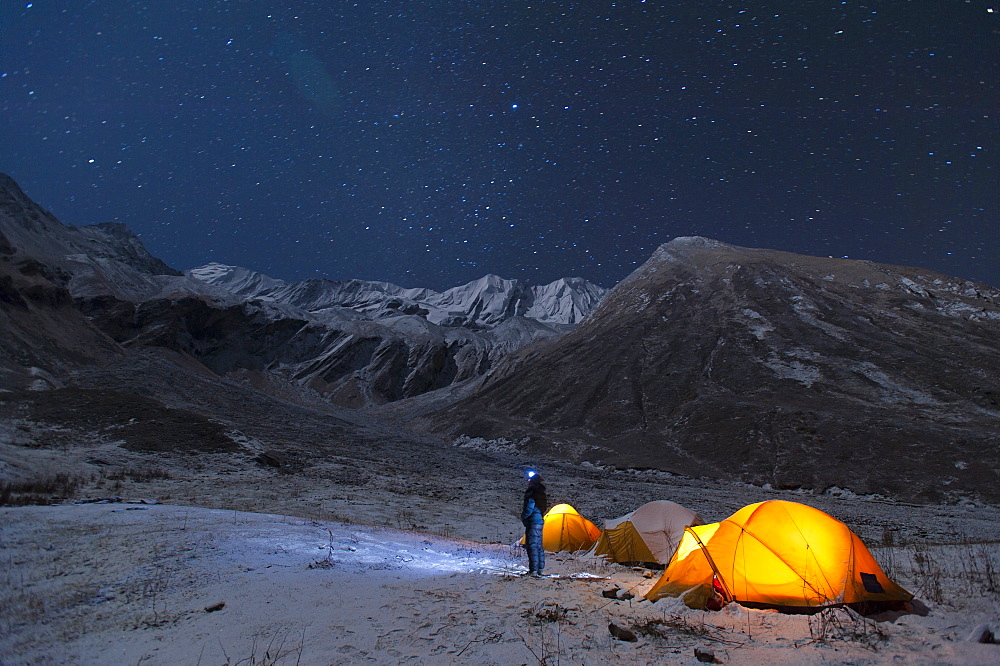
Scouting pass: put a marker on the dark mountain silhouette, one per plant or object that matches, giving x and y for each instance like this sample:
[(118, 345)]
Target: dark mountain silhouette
[(44, 335)]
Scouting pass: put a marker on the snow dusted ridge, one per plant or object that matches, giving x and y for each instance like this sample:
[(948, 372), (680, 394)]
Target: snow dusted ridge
[(483, 303), (239, 281)]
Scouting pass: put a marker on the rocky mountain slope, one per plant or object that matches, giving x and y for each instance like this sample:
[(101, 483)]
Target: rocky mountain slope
[(43, 334), (769, 367), (710, 360), (87, 261), (352, 343)]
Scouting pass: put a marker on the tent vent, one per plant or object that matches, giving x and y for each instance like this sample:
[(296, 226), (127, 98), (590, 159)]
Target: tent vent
[(870, 581)]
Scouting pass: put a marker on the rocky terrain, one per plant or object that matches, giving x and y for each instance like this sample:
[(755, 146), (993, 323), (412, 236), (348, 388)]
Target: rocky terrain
[(712, 361), (768, 367), (350, 343), (198, 520)]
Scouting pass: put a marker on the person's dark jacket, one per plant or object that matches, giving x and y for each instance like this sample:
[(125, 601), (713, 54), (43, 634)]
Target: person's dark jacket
[(535, 504)]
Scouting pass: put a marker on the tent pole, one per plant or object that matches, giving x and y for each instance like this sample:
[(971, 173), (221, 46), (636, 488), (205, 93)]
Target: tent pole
[(711, 563)]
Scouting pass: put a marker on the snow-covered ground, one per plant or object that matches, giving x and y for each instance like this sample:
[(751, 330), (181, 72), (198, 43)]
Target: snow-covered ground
[(136, 583), (345, 555)]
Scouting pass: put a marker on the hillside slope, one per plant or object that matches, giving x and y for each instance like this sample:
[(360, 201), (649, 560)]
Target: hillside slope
[(769, 367)]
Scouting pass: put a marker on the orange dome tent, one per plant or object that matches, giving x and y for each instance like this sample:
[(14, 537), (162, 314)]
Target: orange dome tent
[(776, 553), (565, 529)]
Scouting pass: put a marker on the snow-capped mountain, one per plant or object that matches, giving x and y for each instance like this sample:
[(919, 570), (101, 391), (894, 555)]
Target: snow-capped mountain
[(240, 281), (353, 343), (483, 303)]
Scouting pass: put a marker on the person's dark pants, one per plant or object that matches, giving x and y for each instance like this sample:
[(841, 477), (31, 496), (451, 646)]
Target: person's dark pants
[(533, 544)]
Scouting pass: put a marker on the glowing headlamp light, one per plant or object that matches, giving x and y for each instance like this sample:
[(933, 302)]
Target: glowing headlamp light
[(531, 473)]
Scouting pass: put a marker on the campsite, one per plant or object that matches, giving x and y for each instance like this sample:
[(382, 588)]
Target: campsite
[(137, 580), (301, 301)]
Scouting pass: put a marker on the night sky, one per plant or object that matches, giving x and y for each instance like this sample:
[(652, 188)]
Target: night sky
[(430, 142)]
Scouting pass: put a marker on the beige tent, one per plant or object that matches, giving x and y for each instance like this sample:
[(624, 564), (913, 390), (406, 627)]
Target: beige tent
[(776, 553), (648, 534)]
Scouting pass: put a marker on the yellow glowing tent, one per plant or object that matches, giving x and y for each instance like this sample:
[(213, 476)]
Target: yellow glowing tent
[(648, 534), (776, 553), (565, 529)]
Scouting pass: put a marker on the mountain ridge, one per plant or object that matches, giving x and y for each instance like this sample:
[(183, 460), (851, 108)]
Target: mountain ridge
[(482, 303), (715, 360), (352, 343), (709, 360)]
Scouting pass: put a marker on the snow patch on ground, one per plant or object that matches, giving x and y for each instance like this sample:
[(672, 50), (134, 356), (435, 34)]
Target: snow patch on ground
[(250, 443), (759, 326), (891, 391), (912, 287), (127, 583), (985, 314), (806, 310), (796, 370)]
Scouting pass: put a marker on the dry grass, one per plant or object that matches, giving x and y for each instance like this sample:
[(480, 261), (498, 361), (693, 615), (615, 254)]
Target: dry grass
[(64, 486), (672, 627), (138, 474), (843, 624), (980, 567), (42, 490), (545, 623), (944, 574), (283, 646)]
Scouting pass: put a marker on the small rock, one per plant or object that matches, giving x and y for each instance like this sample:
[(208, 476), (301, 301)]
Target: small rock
[(648, 574), (269, 459), (215, 607), (706, 656), (611, 593), (625, 595), (622, 633)]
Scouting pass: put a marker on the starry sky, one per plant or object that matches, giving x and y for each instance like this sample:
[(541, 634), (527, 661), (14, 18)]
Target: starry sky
[(430, 142)]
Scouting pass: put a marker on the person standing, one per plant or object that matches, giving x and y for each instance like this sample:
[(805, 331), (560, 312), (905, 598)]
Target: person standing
[(533, 517)]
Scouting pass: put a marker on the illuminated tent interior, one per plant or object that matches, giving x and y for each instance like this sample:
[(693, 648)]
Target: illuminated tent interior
[(651, 533), (776, 553), (566, 530)]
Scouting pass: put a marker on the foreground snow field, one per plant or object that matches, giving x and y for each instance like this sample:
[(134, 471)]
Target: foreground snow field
[(134, 583)]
